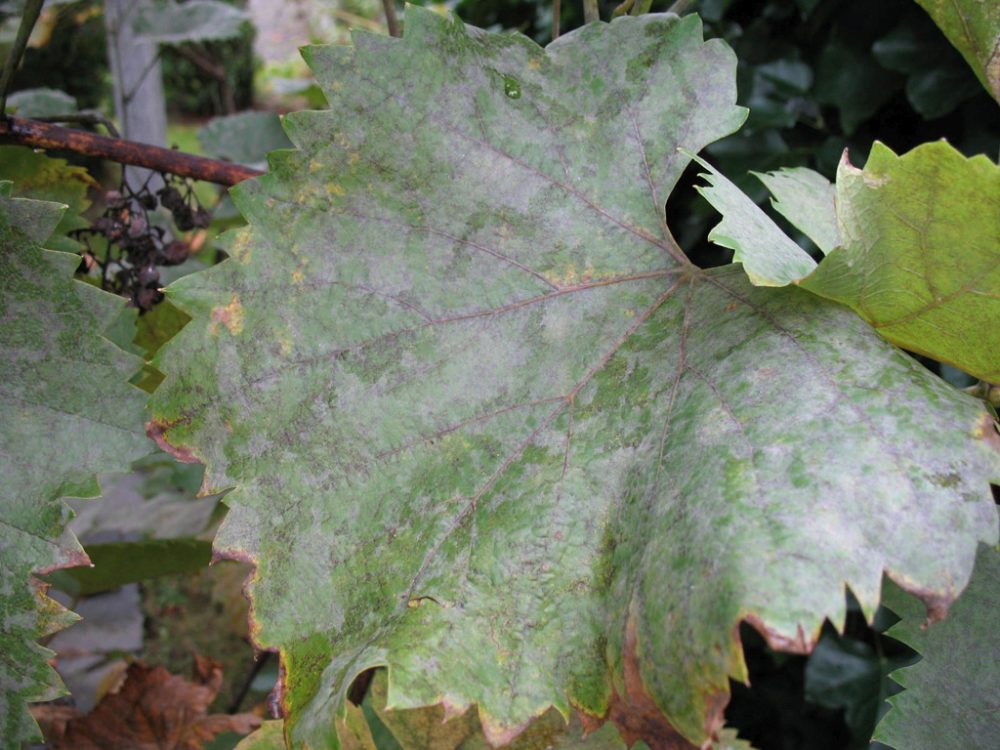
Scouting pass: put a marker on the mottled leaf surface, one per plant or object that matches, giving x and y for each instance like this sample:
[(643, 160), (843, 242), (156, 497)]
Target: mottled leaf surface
[(431, 728), (951, 697), (806, 198), (973, 26), (918, 255), (488, 427), (66, 412)]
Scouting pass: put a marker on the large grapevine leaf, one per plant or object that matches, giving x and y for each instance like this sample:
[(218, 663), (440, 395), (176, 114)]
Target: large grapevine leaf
[(66, 412), (920, 248), (973, 26), (950, 696), (487, 426)]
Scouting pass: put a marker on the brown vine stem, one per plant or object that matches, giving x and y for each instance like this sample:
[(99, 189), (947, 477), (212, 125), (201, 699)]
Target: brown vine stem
[(47, 136), (391, 21)]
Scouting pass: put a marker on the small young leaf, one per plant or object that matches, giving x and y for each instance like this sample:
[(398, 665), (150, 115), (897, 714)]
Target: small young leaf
[(768, 256), (807, 199)]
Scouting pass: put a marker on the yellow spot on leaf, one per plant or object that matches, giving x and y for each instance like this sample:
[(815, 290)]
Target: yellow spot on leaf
[(298, 276), (231, 316), (241, 248), (334, 189)]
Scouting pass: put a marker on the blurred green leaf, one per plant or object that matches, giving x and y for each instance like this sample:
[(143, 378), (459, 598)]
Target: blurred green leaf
[(850, 674), (119, 563), (245, 138), (853, 81), (40, 103), (933, 90), (170, 22)]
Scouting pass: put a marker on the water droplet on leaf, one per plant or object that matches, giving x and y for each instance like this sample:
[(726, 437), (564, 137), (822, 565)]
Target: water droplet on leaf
[(511, 87)]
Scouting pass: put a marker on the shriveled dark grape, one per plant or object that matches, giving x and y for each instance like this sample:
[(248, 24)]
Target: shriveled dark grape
[(149, 276), (184, 219), (171, 198), (114, 199), (146, 297), (175, 252), (137, 225), (202, 218)]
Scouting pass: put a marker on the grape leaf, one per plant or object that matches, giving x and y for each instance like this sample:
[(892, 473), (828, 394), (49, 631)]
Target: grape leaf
[(66, 412), (244, 138), (41, 177), (768, 255), (432, 729), (488, 427), (41, 103), (171, 22), (807, 199), (973, 26), (950, 695), (354, 734), (919, 258)]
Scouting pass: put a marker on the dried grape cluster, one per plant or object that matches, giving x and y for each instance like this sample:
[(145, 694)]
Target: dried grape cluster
[(127, 247)]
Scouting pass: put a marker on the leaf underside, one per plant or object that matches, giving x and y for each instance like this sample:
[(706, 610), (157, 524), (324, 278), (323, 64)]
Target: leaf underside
[(950, 695), (66, 413), (973, 26), (488, 427)]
